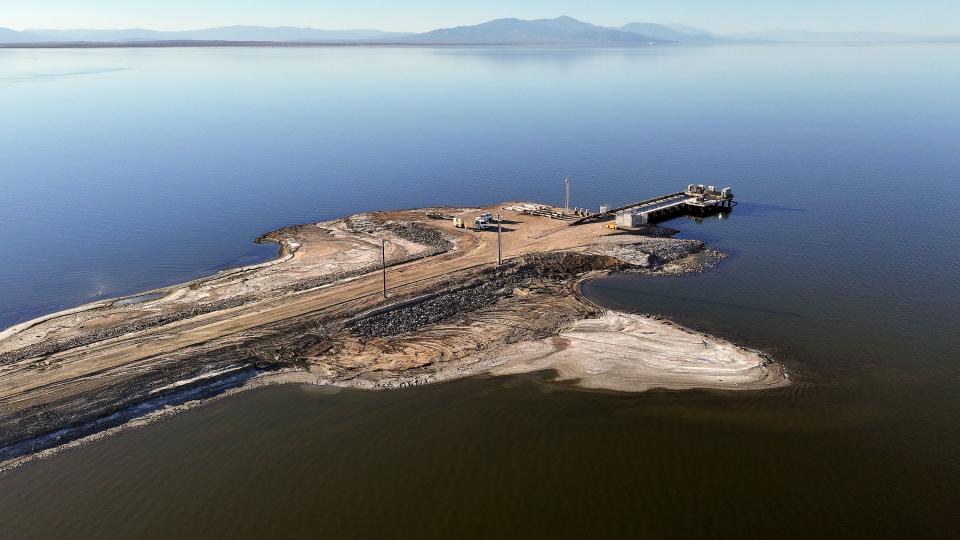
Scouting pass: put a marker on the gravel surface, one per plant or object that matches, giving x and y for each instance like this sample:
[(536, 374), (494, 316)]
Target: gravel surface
[(53, 346), (420, 234), (493, 285)]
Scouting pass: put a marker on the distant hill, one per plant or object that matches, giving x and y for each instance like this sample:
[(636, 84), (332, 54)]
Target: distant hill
[(680, 34), (225, 33), (561, 30), (684, 29), (13, 36)]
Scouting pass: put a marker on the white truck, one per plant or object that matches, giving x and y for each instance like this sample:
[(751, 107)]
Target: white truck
[(484, 221)]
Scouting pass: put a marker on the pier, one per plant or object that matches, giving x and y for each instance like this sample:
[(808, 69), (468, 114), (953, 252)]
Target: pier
[(697, 200)]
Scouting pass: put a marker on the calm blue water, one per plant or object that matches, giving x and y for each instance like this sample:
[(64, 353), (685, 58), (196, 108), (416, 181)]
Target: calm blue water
[(130, 169), (124, 170)]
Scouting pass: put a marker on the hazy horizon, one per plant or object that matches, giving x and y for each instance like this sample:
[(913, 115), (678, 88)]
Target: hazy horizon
[(921, 17)]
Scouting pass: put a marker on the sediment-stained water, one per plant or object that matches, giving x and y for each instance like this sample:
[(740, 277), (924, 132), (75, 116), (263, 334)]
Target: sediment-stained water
[(843, 266)]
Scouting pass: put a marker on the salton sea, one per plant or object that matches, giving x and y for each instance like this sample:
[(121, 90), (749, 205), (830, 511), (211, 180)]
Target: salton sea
[(127, 169)]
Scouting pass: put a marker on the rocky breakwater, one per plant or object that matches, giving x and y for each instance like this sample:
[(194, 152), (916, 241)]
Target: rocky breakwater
[(422, 338), (528, 315)]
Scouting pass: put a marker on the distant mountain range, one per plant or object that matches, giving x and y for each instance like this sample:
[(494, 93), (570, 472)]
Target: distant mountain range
[(558, 31), (225, 33), (12, 36), (674, 32), (802, 36), (562, 30)]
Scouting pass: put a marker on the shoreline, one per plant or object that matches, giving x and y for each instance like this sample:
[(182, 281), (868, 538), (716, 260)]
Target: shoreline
[(175, 405), (316, 314), (284, 253)]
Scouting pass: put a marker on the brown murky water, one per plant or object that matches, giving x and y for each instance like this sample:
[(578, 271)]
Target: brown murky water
[(498, 457)]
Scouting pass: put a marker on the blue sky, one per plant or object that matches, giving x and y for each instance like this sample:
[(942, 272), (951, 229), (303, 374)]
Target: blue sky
[(908, 16)]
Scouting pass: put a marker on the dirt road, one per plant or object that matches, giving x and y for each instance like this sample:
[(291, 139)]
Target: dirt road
[(33, 381)]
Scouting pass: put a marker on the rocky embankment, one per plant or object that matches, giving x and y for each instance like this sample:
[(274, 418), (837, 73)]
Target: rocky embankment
[(664, 256)]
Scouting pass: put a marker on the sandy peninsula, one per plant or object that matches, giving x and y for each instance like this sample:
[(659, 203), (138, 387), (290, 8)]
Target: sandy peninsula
[(318, 314)]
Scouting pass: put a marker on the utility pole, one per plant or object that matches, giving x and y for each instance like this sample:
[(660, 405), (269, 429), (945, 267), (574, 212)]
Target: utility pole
[(383, 265), (499, 242), (566, 194)]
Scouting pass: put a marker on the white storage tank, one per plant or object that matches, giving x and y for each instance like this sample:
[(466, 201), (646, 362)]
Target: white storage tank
[(628, 220)]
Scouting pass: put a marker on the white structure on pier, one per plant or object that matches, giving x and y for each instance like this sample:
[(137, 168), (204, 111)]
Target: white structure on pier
[(697, 200)]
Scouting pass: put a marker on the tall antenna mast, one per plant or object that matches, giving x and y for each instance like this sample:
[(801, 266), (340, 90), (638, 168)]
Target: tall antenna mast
[(566, 193)]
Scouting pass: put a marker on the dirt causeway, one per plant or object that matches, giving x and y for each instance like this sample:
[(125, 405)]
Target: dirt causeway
[(317, 313)]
